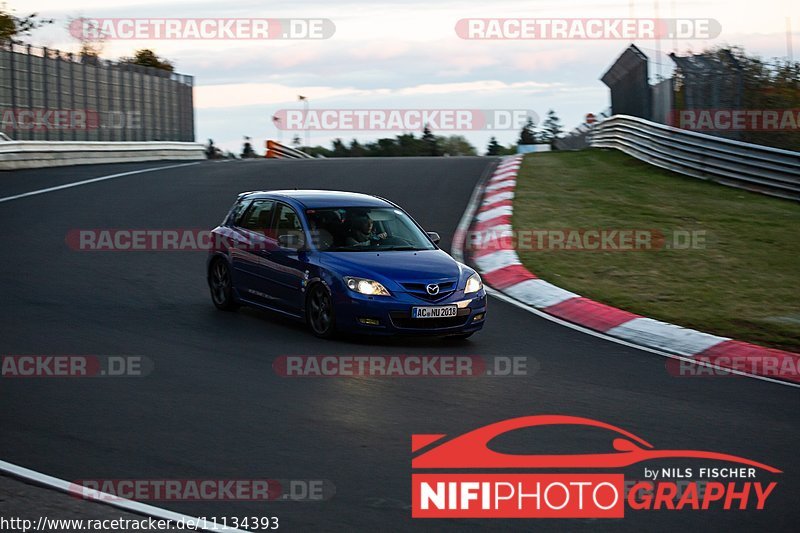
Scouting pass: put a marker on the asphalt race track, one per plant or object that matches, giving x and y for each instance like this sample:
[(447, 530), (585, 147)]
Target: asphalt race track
[(214, 408)]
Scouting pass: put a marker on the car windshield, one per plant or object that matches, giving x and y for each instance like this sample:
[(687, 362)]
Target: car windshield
[(360, 229)]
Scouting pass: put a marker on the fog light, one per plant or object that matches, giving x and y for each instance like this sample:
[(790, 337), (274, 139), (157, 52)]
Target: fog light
[(477, 317), (370, 321)]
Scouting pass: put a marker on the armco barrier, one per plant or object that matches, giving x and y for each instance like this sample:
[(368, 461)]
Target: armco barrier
[(37, 154), (276, 150), (748, 166), (578, 139)]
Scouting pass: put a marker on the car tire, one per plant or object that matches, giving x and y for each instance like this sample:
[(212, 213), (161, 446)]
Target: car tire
[(221, 286), (319, 311)]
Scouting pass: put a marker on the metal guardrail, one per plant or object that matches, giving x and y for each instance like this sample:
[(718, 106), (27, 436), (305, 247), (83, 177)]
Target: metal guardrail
[(37, 154), (578, 138), (278, 151), (753, 167)]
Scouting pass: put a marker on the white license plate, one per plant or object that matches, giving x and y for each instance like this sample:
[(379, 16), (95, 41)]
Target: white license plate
[(439, 311)]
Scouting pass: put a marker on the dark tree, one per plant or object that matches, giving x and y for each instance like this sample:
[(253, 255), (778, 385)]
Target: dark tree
[(339, 149), (212, 152), (13, 27), (430, 142), (356, 150), (318, 151), (528, 133), (456, 145), (387, 148), (90, 38), (494, 147), (410, 146), (511, 149), (745, 82), (552, 127), (247, 150), (147, 58)]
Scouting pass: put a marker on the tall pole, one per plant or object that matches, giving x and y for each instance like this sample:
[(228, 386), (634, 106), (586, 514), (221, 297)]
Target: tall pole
[(658, 47), (277, 121), (308, 131), (675, 32), (789, 49), (304, 99)]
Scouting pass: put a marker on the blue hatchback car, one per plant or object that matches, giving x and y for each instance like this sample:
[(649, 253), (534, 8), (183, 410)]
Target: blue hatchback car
[(342, 262)]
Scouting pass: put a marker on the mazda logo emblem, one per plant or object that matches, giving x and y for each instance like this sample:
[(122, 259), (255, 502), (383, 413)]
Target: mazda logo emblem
[(432, 289)]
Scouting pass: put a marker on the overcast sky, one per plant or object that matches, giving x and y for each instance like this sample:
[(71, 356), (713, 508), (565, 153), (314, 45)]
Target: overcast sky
[(391, 55)]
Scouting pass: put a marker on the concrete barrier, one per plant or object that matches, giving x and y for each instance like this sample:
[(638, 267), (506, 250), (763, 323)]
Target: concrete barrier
[(37, 154)]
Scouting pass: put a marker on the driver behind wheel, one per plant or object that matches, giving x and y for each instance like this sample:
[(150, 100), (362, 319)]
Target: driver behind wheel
[(361, 233)]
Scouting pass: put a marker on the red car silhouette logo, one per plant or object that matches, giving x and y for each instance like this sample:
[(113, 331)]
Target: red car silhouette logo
[(471, 450)]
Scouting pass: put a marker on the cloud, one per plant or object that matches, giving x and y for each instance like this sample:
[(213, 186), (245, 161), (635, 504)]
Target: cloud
[(476, 87), (406, 54), (248, 94)]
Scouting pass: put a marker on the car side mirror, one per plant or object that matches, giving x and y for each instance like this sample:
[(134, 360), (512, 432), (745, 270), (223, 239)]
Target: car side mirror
[(292, 241), (432, 235)]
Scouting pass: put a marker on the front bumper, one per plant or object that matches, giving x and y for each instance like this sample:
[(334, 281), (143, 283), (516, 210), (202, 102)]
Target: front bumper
[(359, 313)]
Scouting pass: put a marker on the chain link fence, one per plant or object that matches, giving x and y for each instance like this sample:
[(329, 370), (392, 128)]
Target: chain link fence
[(721, 92), (579, 138), (50, 95)]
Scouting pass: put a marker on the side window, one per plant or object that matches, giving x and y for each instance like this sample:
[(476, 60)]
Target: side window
[(258, 216), (236, 211), (286, 222)]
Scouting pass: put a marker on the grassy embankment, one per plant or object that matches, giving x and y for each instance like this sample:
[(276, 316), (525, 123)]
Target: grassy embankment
[(742, 282)]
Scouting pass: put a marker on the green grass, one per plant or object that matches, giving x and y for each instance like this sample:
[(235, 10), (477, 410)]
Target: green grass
[(743, 283)]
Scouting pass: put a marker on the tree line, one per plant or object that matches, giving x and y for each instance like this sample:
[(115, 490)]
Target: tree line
[(428, 144), (13, 28), (751, 83)]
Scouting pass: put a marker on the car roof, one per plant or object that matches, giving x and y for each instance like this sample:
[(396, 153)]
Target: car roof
[(316, 199)]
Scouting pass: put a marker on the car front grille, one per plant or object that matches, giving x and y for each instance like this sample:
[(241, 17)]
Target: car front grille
[(446, 288)]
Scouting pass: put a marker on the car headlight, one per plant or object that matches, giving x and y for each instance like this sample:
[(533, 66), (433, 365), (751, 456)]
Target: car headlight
[(366, 286), (474, 284)]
